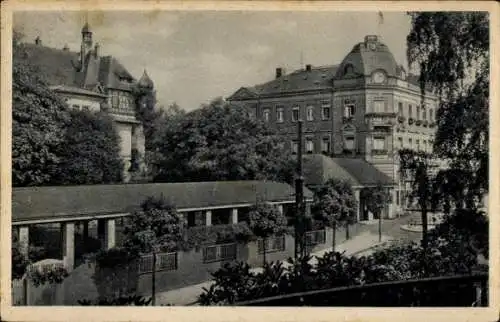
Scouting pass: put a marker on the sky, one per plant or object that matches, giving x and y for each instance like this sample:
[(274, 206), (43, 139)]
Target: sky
[(195, 56)]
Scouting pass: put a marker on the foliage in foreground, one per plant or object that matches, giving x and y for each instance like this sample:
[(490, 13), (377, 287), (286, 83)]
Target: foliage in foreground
[(447, 254), (132, 300)]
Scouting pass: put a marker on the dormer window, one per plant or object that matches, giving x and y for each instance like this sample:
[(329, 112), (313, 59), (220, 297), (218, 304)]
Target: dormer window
[(349, 69)]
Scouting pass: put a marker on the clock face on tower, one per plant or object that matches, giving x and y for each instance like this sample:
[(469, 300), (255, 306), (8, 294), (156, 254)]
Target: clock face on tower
[(378, 77)]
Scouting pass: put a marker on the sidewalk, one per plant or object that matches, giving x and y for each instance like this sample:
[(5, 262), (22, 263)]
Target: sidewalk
[(186, 295)]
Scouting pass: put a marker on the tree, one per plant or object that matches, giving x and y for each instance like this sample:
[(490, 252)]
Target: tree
[(39, 118), (265, 220), (376, 198), (451, 51), (334, 204), (147, 112), (415, 166), (220, 142), (157, 227), (91, 151)]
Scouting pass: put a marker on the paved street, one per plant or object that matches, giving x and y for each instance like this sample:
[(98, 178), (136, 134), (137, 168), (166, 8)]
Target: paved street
[(366, 238)]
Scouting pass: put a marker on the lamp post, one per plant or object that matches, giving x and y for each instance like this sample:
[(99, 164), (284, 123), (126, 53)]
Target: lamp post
[(153, 276), (299, 197)]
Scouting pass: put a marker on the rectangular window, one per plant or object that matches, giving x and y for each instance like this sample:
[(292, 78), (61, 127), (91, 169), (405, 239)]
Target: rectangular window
[(418, 113), (410, 111), (400, 142), (310, 113), (279, 115), (418, 145), (295, 114), (424, 113), (397, 197), (266, 115), (410, 142), (325, 145), (400, 109), (431, 115), (378, 106), (309, 145), (76, 106), (349, 143), (295, 147), (114, 100), (349, 110), (379, 144)]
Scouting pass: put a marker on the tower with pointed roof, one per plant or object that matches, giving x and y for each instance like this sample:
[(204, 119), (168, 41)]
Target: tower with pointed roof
[(88, 80)]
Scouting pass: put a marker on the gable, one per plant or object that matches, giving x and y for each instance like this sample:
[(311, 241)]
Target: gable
[(243, 93)]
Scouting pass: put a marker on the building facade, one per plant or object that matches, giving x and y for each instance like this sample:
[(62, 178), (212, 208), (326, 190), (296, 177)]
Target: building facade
[(365, 107), (86, 80)]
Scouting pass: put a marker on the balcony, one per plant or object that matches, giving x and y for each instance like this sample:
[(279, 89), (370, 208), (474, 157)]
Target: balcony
[(380, 119), (121, 111)]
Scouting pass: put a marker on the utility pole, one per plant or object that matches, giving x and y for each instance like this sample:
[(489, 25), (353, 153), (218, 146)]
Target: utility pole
[(299, 198)]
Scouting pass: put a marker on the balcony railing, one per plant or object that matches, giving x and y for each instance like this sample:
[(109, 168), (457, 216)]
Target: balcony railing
[(450, 291), (381, 118), (121, 111)]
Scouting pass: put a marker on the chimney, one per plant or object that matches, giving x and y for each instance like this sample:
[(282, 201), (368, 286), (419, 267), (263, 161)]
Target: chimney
[(66, 48), (38, 41), (279, 72), (96, 50), (308, 67)]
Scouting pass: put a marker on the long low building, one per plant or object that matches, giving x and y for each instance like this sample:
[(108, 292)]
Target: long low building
[(202, 203)]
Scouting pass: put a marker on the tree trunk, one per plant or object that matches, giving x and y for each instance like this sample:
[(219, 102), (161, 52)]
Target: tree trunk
[(347, 236), (334, 233), (380, 226), (264, 240)]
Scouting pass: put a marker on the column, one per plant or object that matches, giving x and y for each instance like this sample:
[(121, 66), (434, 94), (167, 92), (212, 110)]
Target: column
[(234, 214), (106, 233), (357, 195), (68, 245), (24, 240), (110, 233), (208, 218), (280, 208)]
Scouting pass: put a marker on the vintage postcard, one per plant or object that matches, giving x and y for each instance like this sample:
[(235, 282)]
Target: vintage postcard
[(239, 160)]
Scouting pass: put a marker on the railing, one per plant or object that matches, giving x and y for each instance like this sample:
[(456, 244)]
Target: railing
[(164, 262), (220, 252), (457, 291), (315, 237), (273, 244), (121, 111)]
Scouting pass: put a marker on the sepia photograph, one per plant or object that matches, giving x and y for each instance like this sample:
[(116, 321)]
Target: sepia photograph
[(250, 158)]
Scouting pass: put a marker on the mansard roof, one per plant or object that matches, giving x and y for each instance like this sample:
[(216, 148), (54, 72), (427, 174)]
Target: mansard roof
[(299, 80)]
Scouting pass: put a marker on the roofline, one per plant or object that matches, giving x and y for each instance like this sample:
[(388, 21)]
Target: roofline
[(78, 91), (93, 216)]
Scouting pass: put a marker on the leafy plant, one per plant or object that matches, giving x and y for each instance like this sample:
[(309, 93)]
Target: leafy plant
[(51, 275)]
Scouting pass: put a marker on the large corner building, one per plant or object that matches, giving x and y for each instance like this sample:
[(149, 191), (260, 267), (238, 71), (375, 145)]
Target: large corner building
[(367, 107), (88, 80)]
